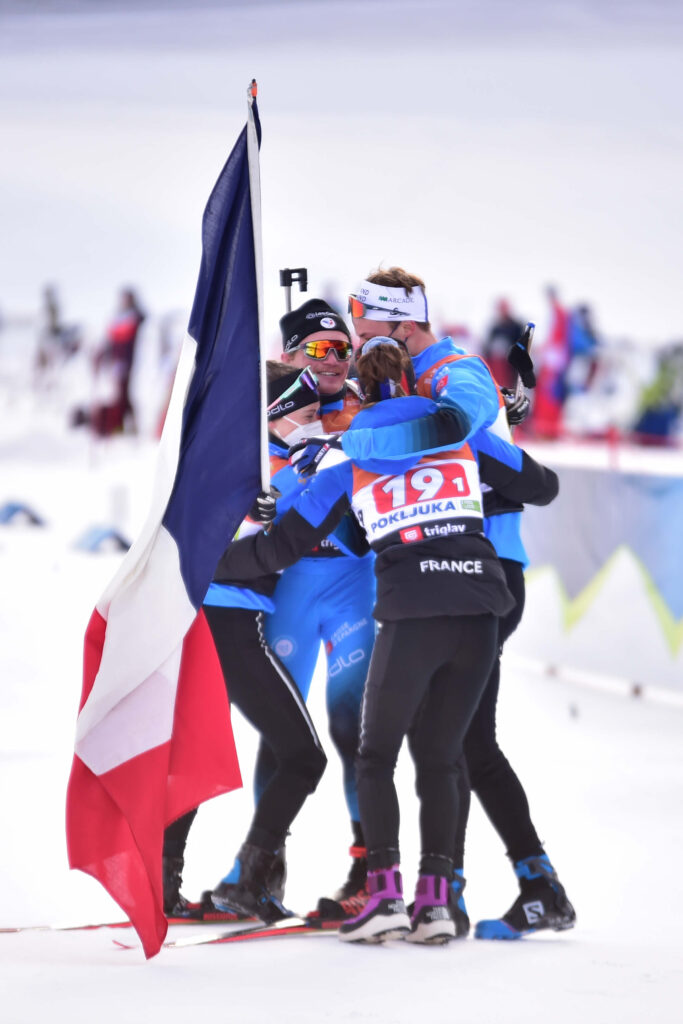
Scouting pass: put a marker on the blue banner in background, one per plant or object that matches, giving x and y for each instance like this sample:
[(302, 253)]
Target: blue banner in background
[(596, 513)]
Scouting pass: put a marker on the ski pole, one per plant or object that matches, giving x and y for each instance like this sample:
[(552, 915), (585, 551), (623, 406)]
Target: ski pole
[(287, 278)]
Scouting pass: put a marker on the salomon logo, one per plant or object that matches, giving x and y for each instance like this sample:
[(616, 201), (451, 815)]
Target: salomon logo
[(533, 911)]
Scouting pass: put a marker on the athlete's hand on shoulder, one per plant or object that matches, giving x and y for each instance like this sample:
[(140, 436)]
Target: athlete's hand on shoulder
[(264, 508), (517, 407), (315, 453)]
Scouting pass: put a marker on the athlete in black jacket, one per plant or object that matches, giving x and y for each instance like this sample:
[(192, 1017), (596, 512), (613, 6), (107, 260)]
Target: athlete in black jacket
[(440, 589)]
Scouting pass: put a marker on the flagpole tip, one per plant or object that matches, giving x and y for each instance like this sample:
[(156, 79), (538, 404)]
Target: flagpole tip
[(253, 89)]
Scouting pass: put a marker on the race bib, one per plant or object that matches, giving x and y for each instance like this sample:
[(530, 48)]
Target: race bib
[(438, 496)]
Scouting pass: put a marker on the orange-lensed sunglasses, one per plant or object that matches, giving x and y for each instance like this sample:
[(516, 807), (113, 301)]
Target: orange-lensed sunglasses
[(320, 349)]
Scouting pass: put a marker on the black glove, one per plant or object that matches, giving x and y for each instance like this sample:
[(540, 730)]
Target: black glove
[(517, 407), (306, 457), (264, 508), (520, 360)]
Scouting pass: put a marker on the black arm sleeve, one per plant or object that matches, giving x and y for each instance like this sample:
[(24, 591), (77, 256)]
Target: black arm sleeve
[(446, 426), (284, 544), (533, 484)]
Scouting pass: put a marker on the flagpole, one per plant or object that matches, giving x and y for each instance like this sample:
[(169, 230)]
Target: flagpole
[(253, 133)]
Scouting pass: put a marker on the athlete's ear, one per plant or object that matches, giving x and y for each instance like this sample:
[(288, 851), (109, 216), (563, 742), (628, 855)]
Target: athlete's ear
[(409, 326), (287, 357)]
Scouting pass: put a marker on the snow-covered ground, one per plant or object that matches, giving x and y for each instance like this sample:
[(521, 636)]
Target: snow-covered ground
[(603, 773), (488, 146)]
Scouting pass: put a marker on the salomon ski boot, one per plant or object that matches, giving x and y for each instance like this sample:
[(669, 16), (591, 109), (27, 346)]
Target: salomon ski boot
[(246, 887), (541, 904), (384, 915), (430, 920)]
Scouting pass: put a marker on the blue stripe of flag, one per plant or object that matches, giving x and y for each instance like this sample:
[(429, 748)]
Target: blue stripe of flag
[(218, 469)]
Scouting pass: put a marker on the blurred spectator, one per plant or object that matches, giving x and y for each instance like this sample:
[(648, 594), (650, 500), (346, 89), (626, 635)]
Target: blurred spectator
[(505, 330), (583, 351), (552, 363), (113, 410), (56, 341), (661, 402)]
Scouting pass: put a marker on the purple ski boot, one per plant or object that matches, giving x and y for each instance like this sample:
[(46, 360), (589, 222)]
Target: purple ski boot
[(431, 921), (384, 916)]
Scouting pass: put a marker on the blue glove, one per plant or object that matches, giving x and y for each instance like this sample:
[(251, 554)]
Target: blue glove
[(315, 453)]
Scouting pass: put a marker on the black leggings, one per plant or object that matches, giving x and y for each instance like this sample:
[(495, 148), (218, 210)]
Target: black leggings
[(425, 680), (487, 771), (269, 699)]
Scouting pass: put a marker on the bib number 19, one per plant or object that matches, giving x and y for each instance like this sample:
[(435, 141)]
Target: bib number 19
[(424, 483)]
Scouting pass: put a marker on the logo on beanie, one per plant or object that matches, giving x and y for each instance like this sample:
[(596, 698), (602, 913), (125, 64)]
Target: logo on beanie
[(328, 323), (295, 337)]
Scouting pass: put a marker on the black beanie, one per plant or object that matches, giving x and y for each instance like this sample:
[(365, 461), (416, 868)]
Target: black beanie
[(315, 315)]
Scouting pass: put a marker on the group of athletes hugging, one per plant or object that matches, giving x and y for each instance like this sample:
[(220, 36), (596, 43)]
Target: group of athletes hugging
[(393, 519)]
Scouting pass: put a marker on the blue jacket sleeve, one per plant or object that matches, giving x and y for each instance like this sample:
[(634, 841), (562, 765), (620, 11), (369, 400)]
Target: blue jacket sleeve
[(467, 401), (440, 430), (466, 385)]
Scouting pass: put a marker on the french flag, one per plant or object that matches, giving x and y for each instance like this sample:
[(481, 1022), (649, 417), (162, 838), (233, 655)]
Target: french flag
[(153, 736)]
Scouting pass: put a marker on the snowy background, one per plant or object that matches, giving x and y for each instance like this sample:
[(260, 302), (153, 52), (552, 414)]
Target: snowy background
[(492, 148)]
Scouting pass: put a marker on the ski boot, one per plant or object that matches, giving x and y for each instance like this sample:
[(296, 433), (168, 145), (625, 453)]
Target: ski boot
[(456, 904), (541, 904), (175, 904), (430, 920), (384, 915), (246, 887), (353, 895), (278, 874), (205, 911)]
